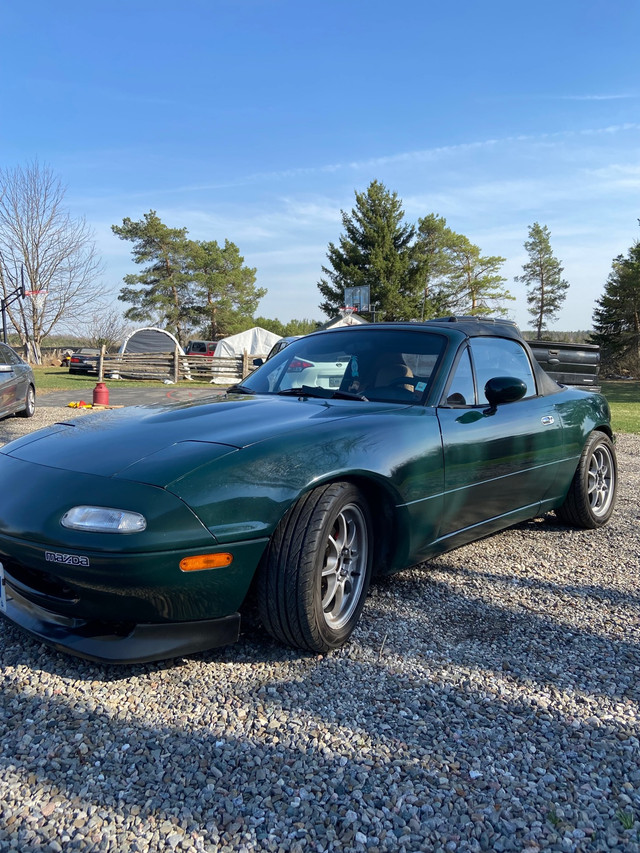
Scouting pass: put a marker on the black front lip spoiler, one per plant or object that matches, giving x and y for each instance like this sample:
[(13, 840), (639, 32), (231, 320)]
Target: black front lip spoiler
[(98, 641)]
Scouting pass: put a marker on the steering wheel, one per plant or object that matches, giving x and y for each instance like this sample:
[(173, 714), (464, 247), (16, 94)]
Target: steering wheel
[(401, 380)]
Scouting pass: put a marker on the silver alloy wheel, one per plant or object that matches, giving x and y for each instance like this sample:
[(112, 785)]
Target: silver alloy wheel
[(345, 566), (601, 480)]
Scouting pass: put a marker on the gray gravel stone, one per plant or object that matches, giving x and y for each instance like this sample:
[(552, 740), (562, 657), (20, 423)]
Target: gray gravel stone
[(488, 701)]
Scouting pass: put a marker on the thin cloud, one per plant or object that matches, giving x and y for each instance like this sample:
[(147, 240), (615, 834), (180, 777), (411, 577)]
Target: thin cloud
[(415, 156), (621, 97)]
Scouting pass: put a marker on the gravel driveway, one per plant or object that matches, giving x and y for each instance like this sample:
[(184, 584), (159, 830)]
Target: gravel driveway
[(488, 701)]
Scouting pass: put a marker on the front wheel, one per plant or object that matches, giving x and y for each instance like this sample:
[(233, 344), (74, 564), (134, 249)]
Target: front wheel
[(592, 494), (314, 578)]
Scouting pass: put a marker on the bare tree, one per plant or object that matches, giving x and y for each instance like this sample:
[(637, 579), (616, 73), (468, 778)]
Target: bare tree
[(56, 251), (107, 329)]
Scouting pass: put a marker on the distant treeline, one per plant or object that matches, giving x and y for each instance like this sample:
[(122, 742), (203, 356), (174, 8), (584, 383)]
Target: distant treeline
[(580, 337)]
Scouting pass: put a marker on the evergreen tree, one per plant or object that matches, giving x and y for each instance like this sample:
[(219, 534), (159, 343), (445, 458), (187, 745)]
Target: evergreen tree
[(285, 330), (224, 290), (164, 295), (374, 250), (187, 284), (475, 284), (616, 317), (542, 275), (434, 267)]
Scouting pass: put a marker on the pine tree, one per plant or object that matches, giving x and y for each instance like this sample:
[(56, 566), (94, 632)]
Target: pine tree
[(224, 288), (475, 284), (616, 317), (186, 284), (164, 295), (434, 266), (542, 275), (374, 250)]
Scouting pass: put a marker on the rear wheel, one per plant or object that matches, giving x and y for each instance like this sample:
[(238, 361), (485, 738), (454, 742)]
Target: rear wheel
[(592, 494), (29, 403), (315, 575)]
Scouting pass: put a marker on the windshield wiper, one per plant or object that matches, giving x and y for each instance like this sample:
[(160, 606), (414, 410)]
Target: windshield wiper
[(349, 395), (305, 391), (323, 393), (240, 389)]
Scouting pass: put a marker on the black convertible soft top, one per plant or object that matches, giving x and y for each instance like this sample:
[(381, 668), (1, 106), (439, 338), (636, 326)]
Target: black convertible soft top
[(475, 327)]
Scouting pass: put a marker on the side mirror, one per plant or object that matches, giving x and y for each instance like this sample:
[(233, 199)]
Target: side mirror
[(258, 362), (504, 389)]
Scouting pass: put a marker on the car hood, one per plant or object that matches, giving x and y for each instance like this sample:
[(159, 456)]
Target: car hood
[(159, 443)]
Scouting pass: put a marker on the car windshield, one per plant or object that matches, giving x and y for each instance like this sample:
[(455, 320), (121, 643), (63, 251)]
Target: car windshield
[(377, 364)]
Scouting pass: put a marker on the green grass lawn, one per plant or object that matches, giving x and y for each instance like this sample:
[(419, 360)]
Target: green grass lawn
[(624, 399), (59, 379)]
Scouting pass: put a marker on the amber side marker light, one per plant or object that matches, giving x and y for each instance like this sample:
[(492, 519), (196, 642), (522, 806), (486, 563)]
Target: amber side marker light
[(205, 561)]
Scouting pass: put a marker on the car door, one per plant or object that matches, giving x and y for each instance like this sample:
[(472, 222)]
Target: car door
[(501, 463), (9, 381)]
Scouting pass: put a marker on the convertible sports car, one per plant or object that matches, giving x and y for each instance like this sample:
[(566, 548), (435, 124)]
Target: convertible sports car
[(137, 534)]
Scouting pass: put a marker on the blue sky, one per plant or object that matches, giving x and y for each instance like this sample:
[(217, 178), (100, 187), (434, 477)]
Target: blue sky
[(255, 120)]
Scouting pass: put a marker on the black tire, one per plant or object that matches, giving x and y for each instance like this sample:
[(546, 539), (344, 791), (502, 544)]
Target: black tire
[(314, 577), (592, 494), (29, 403)]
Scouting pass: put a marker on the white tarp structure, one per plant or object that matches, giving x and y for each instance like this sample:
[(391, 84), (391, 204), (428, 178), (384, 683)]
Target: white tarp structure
[(150, 339), (254, 342), (344, 320)]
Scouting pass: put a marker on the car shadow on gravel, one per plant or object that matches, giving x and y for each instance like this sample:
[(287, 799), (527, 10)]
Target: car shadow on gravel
[(433, 609), (278, 744), (428, 618), (533, 641)]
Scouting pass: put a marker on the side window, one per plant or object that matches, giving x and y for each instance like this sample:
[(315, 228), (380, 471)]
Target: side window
[(461, 391), (500, 357), (7, 356)]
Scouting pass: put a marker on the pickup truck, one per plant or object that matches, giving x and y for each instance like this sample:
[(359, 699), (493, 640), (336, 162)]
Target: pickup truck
[(568, 363)]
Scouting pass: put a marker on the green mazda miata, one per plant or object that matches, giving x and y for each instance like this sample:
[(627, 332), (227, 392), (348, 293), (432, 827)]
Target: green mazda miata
[(138, 534)]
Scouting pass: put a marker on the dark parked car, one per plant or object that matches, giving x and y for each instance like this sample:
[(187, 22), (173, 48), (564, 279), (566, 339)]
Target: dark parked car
[(17, 385), (207, 348), (84, 360), (160, 521)]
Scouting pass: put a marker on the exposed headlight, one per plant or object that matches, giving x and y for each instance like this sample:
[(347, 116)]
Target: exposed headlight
[(103, 519)]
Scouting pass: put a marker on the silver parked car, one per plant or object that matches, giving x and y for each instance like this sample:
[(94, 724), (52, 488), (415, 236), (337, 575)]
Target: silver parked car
[(17, 385)]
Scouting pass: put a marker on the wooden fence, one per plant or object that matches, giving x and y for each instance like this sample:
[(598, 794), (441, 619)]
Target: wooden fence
[(175, 367)]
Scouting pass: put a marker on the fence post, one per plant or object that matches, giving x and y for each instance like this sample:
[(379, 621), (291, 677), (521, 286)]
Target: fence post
[(245, 364), (176, 365), (101, 364)]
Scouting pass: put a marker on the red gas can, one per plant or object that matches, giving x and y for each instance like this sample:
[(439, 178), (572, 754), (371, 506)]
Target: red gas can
[(101, 395)]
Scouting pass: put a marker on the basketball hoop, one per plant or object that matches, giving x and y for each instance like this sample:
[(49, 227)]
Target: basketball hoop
[(348, 309), (38, 298)]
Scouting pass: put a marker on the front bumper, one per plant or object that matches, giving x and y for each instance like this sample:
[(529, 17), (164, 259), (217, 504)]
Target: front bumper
[(138, 608), (117, 642)]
